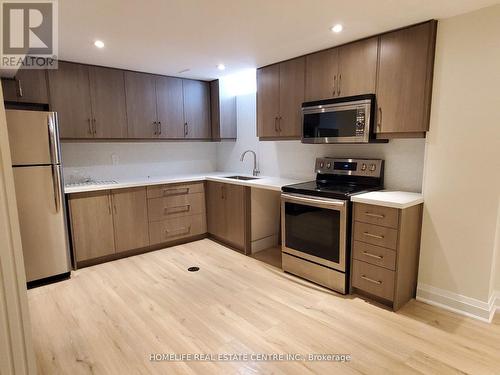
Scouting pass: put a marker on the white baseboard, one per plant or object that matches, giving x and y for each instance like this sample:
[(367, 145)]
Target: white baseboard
[(458, 303)]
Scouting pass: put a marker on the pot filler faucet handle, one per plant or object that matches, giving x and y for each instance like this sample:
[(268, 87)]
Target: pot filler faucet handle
[(256, 172)]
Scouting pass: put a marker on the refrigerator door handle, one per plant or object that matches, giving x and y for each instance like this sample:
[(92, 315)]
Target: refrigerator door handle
[(51, 125), (56, 183)]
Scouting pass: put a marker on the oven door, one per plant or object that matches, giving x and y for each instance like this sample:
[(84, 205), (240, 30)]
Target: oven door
[(345, 122), (315, 229)]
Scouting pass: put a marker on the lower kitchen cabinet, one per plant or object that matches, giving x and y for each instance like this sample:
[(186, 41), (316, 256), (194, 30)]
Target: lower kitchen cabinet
[(91, 219), (228, 214), (385, 252), (109, 222), (130, 215)]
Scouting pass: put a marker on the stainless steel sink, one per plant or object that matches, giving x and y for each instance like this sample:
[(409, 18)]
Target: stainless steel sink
[(243, 178)]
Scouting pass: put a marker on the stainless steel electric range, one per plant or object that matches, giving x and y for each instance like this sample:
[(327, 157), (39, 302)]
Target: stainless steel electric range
[(316, 219)]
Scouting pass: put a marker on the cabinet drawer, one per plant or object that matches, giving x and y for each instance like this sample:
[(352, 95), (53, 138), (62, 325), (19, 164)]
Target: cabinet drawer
[(372, 279), (169, 190), (379, 256), (371, 214), (174, 229), (376, 235), (176, 206)]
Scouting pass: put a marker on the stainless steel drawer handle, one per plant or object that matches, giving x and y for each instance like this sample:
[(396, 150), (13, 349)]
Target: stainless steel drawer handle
[(372, 255), (378, 216), (378, 282), (178, 231), (175, 191), (177, 209), (373, 235)]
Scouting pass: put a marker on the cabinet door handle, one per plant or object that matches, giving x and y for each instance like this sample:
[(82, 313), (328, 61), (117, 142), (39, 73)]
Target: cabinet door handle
[(334, 83), (179, 191), (94, 126), (276, 124), (378, 282), (223, 192), (159, 127), (378, 216), (178, 232), (177, 209), (340, 84), (20, 88), (89, 120), (379, 122), (279, 124), (114, 204), (155, 128), (373, 235), (373, 255), (109, 203)]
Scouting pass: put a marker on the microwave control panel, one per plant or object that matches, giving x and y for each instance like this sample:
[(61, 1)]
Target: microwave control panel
[(360, 121)]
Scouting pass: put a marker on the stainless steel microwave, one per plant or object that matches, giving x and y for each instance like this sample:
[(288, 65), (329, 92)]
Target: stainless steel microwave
[(340, 120)]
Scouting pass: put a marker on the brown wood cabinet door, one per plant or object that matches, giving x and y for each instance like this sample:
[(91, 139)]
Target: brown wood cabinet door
[(322, 69), (170, 107), (130, 215), (196, 109), (29, 86), (268, 101), (292, 81), (91, 225), (358, 68), (405, 79), (222, 111), (234, 197), (69, 88), (216, 215), (140, 89), (107, 91)]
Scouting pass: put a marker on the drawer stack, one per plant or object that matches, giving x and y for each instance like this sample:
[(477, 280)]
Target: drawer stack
[(385, 250), (176, 211)]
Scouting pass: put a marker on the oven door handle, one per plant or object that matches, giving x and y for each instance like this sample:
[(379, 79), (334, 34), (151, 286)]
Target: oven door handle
[(302, 199)]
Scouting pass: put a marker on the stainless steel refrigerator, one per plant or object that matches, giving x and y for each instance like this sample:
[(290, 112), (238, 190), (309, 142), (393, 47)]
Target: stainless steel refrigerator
[(35, 151)]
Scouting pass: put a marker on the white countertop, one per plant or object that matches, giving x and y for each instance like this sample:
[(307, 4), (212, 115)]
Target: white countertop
[(394, 199), (270, 183)]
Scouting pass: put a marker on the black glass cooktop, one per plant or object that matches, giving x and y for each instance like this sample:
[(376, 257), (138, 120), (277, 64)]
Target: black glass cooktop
[(329, 189)]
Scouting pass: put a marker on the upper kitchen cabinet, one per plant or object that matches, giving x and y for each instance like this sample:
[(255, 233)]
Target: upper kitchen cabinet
[(280, 93), (357, 68), (344, 71), (321, 74), (28, 86), (107, 93), (406, 61), (196, 109), (70, 96), (170, 107), (223, 112), (268, 101), (142, 117)]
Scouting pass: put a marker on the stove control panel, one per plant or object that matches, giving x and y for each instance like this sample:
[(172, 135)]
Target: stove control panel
[(354, 167)]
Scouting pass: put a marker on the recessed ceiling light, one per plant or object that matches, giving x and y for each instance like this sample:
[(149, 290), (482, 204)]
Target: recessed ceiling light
[(221, 66), (337, 28), (99, 44)]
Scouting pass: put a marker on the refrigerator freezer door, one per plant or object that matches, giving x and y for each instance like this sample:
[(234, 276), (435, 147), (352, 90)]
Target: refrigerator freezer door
[(42, 221), (33, 137)]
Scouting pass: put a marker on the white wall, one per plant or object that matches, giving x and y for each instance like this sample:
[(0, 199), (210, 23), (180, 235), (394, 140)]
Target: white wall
[(404, 158), (462, 166), (128, 160)]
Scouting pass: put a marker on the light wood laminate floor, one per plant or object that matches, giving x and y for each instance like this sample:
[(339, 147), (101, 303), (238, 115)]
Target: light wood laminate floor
[(107, 319)]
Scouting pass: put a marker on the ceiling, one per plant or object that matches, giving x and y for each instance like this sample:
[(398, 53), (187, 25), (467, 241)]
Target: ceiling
[(169, 36)]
